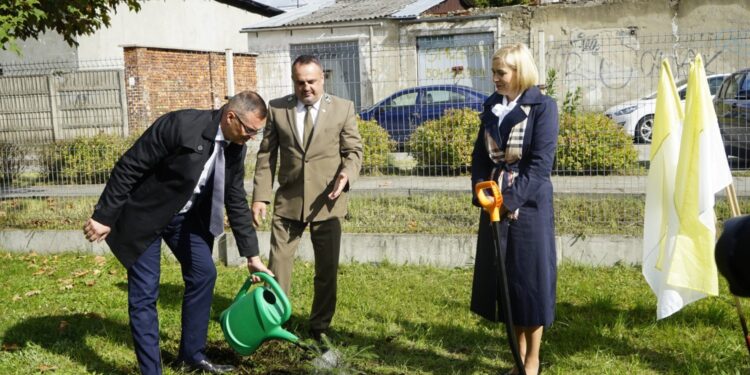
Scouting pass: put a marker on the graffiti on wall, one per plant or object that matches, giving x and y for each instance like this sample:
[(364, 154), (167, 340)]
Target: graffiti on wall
[(608, 64)]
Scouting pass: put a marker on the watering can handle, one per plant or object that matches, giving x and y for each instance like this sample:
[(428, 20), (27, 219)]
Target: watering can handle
[(276, 289), (491, 206)]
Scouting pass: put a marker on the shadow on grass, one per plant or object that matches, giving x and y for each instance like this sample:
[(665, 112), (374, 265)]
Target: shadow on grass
[(461, 350), (580, 330), (592, 327), (66, 335)]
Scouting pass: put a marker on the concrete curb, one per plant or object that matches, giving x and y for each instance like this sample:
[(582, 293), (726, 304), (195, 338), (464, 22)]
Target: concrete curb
[(413, 249)]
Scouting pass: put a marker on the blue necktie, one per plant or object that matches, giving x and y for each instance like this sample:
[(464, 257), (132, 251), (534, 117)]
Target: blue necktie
[(216, 224)]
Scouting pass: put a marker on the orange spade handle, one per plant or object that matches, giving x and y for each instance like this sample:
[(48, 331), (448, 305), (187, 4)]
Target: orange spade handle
[(491, 206)]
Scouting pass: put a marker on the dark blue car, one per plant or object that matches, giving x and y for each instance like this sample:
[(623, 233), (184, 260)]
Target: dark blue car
[(401, 113)]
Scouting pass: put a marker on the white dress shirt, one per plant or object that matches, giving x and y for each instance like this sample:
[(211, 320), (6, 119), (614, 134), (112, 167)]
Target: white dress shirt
[(502, 109), (300, 123), (207, 169)]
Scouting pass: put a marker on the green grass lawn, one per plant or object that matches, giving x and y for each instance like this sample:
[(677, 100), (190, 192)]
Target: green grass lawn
[(67, 314), (441, 213)]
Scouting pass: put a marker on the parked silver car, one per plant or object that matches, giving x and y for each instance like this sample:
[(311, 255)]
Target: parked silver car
[(637, 116)]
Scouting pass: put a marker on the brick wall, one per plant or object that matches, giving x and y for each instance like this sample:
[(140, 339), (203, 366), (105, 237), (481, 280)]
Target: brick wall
[(161, 80)]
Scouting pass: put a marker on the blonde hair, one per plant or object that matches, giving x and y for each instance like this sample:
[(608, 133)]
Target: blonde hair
[(518, 57)]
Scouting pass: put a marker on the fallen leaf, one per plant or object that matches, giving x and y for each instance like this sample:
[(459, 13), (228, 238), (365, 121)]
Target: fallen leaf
[(80, 273), (32, 293), (65, 281), (10, 346), (412, 224), (62, 326), (91, 283), (45, 368), (113, 272), (41, 271), (16, 298), (97, 272), (66, 287), (100, 260)]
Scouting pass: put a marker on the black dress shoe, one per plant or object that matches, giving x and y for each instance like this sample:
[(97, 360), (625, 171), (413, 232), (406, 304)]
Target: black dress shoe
[(207, 367)]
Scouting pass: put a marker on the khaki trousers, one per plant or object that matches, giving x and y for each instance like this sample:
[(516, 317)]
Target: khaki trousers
[(326, 241)]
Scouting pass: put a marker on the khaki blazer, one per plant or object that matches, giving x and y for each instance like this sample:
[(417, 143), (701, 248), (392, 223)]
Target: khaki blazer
[(307, 174)]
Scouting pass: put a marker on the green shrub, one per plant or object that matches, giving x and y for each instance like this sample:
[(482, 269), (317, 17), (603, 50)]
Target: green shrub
[(50, 160), (592, 143), (12, 158), (446, 143), (377, 145), (572, 101), (549, 84), (82, 160)]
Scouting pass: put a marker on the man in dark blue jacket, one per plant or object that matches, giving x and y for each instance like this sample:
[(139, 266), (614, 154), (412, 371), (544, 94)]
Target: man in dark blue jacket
[(171, 185)]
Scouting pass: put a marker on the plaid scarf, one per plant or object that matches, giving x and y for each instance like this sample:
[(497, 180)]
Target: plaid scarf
[(513, 148), (502, 173)]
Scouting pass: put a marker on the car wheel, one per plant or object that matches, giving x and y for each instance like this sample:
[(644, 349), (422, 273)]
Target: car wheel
[(644, 129)]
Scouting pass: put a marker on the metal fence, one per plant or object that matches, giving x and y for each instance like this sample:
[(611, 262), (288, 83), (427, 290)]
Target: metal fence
[(418, 105)]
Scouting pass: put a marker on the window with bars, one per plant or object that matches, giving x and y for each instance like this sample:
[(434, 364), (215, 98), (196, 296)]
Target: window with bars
[(340, 64)]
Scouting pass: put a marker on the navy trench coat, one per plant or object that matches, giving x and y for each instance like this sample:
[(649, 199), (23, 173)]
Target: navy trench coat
[(531, 259)]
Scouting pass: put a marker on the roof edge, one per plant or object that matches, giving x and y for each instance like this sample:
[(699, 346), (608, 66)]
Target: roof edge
[(253, 6), (192, 50)]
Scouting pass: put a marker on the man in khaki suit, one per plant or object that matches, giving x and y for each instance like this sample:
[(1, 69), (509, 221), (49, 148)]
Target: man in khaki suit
[(315, 137)]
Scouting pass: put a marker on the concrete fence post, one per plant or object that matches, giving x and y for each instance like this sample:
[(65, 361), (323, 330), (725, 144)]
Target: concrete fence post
[(54, 115)]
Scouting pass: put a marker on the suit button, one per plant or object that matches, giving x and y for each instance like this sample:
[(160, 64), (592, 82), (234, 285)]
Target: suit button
[(200, 147)]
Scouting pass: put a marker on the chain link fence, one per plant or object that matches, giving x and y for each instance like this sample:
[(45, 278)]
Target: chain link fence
[(418, 108)]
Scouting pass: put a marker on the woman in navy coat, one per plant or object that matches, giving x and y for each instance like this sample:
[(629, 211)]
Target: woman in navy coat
[(516, 147)]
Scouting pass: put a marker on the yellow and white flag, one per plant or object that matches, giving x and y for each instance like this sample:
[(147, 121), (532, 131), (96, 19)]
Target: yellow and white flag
[(702, 171), (660, 216)]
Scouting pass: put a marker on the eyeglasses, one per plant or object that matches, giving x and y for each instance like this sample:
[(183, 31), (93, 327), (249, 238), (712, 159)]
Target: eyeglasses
[(248, 130)]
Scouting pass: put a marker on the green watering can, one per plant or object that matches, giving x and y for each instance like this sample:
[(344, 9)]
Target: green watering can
[(257, 316)]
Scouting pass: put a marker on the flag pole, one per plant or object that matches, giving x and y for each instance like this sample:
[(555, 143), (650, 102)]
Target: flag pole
[(735, 207)]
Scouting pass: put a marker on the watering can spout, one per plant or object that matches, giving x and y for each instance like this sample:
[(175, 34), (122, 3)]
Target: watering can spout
[(282, 334)]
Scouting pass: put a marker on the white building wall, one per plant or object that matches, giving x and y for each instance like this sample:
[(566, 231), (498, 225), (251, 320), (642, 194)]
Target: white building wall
[(181, 24), (49, 47), (274, 61), (204, 25), (387, 65)]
